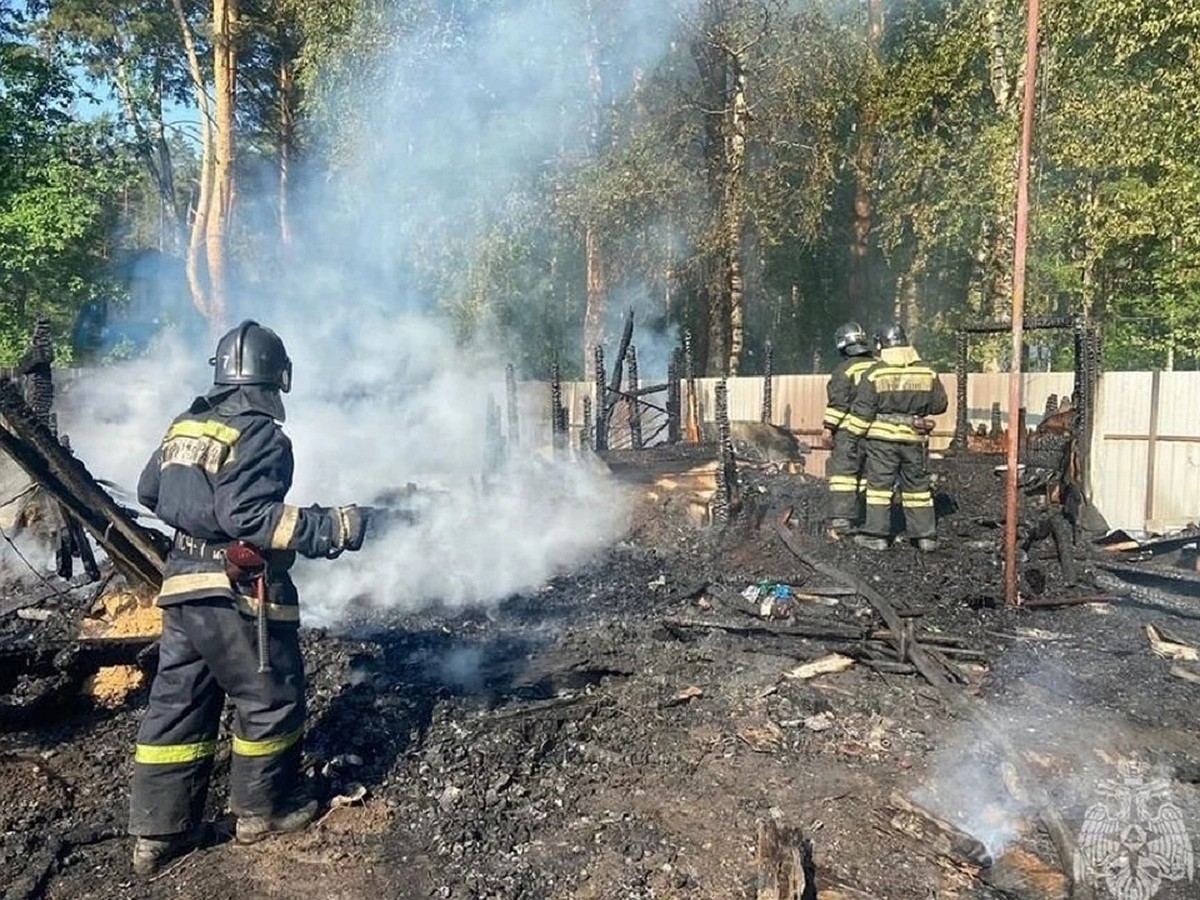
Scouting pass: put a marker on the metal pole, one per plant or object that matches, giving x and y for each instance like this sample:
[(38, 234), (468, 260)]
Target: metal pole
[(1011, 595)]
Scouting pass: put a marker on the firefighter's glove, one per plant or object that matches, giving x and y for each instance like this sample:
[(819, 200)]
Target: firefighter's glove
[(923, 425), (349, 527)]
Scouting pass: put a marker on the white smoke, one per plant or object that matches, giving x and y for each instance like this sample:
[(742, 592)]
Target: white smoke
[(459, 127)]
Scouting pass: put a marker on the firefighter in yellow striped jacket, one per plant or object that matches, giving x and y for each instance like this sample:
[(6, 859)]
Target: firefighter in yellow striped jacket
[(219, 478), (891, 411), (845, 460)]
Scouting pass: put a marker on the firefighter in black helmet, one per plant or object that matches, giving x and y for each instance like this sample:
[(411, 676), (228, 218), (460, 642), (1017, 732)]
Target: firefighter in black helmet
[(219, 478), (891, 411), (845, 461)]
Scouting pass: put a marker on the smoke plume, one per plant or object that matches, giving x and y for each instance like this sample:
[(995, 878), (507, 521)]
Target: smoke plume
[(453, 132)]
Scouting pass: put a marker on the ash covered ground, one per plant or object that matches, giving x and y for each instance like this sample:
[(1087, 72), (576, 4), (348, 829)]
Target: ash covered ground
[(600, 738)]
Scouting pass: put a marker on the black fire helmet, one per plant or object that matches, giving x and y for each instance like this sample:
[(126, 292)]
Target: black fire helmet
[(851, 339), (252, 354)]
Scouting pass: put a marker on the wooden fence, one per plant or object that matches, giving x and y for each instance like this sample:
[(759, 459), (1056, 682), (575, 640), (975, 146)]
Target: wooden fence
[(1145, 444)]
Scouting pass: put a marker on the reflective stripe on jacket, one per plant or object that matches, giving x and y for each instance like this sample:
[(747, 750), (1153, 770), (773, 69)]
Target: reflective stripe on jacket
[(894, 391), (220, 475), (841, 387)]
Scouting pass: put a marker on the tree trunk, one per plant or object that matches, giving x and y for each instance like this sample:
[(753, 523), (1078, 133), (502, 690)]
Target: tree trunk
[(596, 293), (166, 169), (287, 142), (225, 21), (195, 278), (593, 317), (865, 160), (739, 119), (712, 63)]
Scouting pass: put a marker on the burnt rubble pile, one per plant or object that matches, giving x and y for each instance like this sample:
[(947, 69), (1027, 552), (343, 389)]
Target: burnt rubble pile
[(623, 732)]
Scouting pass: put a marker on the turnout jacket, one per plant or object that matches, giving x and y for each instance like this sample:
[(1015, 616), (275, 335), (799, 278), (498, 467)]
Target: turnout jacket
[(891, 393), (221, 475), (841, 388)]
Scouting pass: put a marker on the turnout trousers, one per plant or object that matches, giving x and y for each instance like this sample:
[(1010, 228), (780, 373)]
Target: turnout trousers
[(844, 468), (208, 652), (886, 465)]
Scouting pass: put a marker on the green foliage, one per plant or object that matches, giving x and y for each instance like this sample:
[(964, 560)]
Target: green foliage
[(498, 247), (59, 182)]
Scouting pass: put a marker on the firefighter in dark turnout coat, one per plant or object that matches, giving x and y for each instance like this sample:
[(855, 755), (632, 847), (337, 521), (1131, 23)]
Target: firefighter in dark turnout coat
[(891, 410), (845, 460), (218, 478)]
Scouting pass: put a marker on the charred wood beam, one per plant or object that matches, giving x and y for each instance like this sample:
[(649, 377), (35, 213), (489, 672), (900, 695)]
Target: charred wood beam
[(600, 444), (674, 397), (618, 370), (961, 704), (136, 551), (1034, 323), (635, 411)]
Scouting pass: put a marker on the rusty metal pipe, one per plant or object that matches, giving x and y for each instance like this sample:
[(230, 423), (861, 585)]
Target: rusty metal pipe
[(1011, 594)]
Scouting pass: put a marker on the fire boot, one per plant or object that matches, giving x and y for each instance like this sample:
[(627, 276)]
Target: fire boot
[(871, 543), (927, 545), (151, 853), (838, 527), (251, 829)]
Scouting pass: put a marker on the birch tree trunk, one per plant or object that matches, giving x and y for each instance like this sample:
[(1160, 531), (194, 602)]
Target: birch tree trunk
[(286, 138), (225, 23), (197, 281)]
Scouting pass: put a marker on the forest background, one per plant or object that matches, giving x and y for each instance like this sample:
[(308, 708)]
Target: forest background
[(764, 171)]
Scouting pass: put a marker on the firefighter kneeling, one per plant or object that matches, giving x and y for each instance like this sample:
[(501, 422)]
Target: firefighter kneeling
[(890, 411), (230, 609)]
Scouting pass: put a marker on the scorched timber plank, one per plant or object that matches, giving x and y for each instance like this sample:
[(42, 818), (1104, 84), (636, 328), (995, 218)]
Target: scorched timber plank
[(32, 446)]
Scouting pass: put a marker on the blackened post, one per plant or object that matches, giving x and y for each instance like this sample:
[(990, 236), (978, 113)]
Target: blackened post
[(962, 414), (631, 400), (673, 397), (768, 373), (510, 384), (601, 400), (996, 428), (1011, 595), (725, 498), (556, 438), (619, 366), (585, 435)]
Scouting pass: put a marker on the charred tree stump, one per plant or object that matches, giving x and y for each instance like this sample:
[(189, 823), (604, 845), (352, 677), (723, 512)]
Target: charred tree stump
[(138, 552), (726, 501), (631, 400), (785, 863)]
